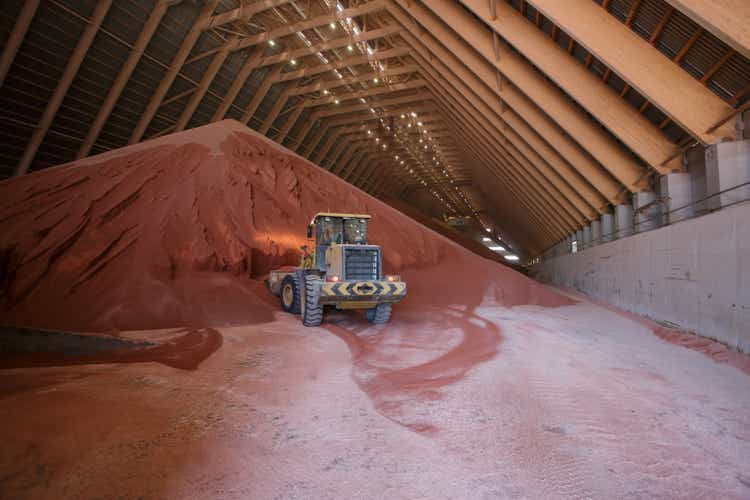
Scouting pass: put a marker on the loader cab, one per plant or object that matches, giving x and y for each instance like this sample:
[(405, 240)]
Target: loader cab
[(328, 229)]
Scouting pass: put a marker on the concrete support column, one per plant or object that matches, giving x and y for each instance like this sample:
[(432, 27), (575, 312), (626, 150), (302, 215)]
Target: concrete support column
[(646, 210), (608, 227), (579, 240), (727, 166), (677, 189), (596, 232), (623, 221), (586, 236)]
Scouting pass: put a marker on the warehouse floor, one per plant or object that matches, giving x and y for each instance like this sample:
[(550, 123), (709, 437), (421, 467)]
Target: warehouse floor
[(576, 401)]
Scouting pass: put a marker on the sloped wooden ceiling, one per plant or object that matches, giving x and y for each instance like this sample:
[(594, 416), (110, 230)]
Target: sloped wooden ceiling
[(530, 116)]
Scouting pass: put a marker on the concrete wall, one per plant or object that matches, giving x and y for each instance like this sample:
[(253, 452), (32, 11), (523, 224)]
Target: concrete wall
[(694, 274)]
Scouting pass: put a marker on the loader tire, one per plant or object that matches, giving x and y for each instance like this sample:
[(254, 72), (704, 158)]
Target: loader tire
[(379, 314), (290, 294), (312, 311)]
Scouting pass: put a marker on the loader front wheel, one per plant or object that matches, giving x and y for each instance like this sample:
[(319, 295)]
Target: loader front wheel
[(312, 311), (290, 294), (379, 314)]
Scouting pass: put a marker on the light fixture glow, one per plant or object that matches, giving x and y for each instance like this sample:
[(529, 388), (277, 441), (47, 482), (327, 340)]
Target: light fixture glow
[(497, 249), (325, 92), (349, 48), (486, 239), (488, 229), (271, 43), (376, 79), (511, 257), (333, 26), (294, 62)]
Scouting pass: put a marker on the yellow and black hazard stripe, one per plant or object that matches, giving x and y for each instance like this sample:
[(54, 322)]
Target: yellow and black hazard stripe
[(363, 289)]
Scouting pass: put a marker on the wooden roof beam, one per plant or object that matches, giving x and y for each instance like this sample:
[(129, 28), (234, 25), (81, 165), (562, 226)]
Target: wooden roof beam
[(346, 62), (674, 91), (370, 92), (633, 129), (63, 85), (174, 69), (20, 27), (588, 134), (314, 22), (728, 20), (340, 82), (538, 182), (113, 95), (525, 139)]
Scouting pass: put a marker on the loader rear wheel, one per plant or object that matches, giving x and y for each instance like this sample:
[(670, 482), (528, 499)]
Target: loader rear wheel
[(379, 314), (312, 311), (290, 290)]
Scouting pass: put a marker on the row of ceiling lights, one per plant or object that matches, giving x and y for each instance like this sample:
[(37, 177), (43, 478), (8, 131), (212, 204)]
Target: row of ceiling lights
[(350, 48)]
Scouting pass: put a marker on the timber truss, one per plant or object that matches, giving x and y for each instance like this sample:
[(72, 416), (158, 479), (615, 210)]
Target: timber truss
[(531, 116)]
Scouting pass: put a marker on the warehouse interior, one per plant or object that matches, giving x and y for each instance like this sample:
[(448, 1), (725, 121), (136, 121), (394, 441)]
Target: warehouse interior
[(559, 198)]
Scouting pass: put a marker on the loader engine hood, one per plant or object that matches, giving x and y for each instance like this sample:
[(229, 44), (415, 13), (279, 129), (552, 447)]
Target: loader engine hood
[(354, 262)]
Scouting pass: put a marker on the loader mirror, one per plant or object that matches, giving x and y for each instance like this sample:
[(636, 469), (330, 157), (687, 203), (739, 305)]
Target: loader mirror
[(309, 231)]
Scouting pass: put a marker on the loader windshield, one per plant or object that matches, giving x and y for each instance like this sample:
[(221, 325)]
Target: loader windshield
[(349, 231), (355, 231)]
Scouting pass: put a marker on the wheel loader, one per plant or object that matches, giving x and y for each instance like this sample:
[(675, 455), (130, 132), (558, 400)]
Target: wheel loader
[(338, 269)]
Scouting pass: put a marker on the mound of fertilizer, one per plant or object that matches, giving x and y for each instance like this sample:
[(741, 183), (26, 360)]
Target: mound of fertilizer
[(178, 231)]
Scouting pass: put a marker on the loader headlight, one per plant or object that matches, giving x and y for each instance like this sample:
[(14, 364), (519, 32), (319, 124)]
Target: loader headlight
[(393, 277)]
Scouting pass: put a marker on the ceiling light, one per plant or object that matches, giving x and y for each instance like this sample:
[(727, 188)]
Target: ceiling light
[(372, 109), (294, 62), (511, 257), (349, 48), (488, 229), (376, 79), (333, 26), (419, 124), (325, 92), (336, 101), (271, 43), (497, 249), (403, 116), (486, 239), (413, 114)]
